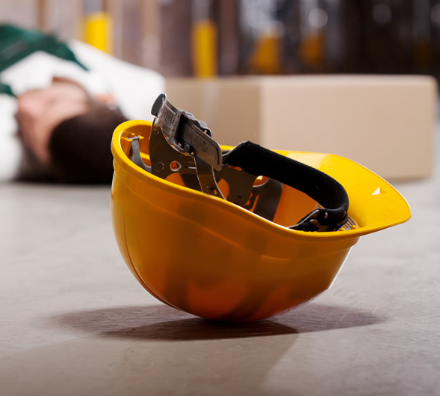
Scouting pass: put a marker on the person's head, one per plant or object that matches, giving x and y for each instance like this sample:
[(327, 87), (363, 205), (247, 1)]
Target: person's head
[(69, 131)]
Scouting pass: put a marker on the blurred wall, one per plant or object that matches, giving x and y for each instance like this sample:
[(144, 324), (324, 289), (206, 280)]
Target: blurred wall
[(133, 23), (62, 17), (22, 12)]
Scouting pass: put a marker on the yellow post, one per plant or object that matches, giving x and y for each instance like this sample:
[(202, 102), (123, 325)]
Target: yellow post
[(97, 26), (204, 41)]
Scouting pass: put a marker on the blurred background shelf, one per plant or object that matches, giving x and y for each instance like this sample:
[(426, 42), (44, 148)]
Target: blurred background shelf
[(204, 38)]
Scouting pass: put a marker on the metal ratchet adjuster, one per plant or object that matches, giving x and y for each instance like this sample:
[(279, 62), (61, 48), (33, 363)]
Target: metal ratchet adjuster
[(189, 137), (179, 143)]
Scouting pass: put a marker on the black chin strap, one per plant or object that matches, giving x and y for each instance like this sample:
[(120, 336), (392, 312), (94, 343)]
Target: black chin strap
[(257, 160)]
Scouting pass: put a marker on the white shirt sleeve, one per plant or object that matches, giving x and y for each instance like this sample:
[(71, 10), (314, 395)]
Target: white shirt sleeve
[(11, 149), (37, 70), (135, 88)]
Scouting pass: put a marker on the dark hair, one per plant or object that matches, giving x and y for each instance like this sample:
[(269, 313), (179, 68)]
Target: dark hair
[(79, 147)]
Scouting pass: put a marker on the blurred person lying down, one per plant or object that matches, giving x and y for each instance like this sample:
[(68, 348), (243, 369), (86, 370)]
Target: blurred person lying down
[(57, 116)]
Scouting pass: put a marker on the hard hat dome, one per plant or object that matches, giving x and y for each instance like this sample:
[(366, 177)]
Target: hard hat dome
[(217, 260)]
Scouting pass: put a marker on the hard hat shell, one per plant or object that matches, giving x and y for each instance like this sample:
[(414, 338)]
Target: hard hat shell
[(214, 259)]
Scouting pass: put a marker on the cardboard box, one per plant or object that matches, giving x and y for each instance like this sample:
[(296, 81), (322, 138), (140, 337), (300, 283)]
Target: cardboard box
[(385, 123)]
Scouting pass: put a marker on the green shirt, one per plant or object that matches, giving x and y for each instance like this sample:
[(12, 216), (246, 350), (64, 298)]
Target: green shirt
[(16, 44), (6, 89)]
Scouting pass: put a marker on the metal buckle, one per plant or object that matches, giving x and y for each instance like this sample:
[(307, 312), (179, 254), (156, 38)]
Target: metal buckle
[(190, 137), (314, 221), (167, 158), (185, 133)]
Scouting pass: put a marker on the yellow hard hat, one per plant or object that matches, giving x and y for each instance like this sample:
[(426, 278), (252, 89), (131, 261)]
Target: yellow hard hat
[(277, 240)]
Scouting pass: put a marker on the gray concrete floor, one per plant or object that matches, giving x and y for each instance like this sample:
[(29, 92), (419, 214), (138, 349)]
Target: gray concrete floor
[(74, 321)]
